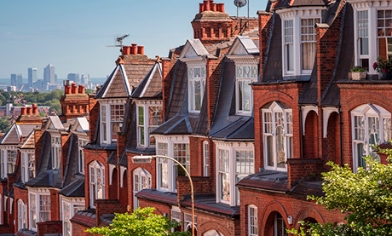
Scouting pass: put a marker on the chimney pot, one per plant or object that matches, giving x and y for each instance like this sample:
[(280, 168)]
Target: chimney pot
[(29, 111), (81, 89), (126, 50), (206, 5), (222, 7), (67, 89), (74, 89), (213, 6), (35, 109), (140, 50), (201, 7), (23, 111), (134, 49)]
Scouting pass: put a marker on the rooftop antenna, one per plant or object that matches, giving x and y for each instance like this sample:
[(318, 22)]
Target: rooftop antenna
[(239, 4), (119, 41)]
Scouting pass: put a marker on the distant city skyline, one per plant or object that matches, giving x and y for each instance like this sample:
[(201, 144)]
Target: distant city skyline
[(74, 35)]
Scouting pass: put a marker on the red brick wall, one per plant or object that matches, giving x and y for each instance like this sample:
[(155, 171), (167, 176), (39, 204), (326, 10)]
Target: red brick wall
[(224, 224), (54, 205), (310, 140), (269, 203), (23, 195), (107, 206), (78, 230), (303, 169), (93, 116), (353, 95), (283, 93), (264, 25), (49, 227)]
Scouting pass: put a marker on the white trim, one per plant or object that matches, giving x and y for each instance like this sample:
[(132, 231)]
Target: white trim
[(255, 220), (327, 111), (305, 110), (122, 170), (111, 169)]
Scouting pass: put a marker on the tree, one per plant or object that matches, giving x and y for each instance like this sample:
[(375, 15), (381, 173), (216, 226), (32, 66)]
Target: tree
[(365, 197), (142, 222), (5, 124)]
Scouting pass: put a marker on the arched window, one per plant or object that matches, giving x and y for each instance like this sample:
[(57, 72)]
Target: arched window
[(277, 136), (371, 125), (97, 182), (141, 180)]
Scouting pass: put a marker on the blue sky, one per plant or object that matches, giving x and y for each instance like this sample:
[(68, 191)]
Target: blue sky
[(73, 35)]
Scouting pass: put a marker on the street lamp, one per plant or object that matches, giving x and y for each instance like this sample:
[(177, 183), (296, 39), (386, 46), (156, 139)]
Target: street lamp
[(147, 159)]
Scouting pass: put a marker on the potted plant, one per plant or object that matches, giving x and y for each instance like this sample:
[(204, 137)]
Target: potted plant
[(358, 73), (383, 67)]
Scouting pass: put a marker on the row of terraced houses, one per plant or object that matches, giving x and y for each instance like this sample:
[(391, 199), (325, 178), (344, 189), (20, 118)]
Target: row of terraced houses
[(253, 108)]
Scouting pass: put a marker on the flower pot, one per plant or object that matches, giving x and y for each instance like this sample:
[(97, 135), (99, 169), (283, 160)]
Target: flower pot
[(358, 75), (386, 76)]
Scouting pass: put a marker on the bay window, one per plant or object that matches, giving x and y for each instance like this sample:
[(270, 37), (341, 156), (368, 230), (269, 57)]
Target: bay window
[(196, 86), (371, 125), (245, 75), (234, 162), (167, 170), (148, 118), (69, 208), (39, 207), (8, 161), (299, 40), (277, 136), (111, 117), (97, 182), (22, 215)]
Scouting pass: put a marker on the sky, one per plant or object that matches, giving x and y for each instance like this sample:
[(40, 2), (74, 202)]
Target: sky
[(74, 35)]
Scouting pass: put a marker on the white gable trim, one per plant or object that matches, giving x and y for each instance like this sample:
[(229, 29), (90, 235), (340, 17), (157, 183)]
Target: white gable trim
[(305, 110), (327, 111)]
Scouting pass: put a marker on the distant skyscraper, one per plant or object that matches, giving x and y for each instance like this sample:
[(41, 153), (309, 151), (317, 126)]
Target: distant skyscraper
[(74, 77), (85, 79), (49, 75), (32, 76), (13, 79), (19, 81)]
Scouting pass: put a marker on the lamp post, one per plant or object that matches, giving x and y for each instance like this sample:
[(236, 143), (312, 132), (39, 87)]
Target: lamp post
[(147, 159)]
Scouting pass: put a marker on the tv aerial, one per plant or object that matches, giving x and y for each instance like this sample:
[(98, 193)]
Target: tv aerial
[(239, 4), (119, 41)]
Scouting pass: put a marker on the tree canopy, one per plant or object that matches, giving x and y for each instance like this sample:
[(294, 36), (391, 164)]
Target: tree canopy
[(365, 197), (142, 222)]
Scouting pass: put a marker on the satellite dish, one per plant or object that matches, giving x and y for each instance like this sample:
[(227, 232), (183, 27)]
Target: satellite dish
[(239, 3)]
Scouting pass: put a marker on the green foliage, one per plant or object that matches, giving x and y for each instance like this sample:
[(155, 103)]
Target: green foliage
[(358, 69), (5, 124), (365, 197), (142, 222)]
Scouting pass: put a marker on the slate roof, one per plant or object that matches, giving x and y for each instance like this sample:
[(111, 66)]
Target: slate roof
[(125, 77), (151, 85), (55, 123), (75, 189), (179, 124), (267, 180), (298, 3), (18, 131), (204, 202), (86, 218)]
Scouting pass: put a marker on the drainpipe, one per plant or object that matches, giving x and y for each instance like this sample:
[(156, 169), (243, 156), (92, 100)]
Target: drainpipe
[(341, 137)]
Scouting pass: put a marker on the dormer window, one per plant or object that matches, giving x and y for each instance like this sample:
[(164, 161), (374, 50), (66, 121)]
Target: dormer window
[(111, 114), (373, 33), (148, 118), (196, 86), (245, 75), (299, 41), (56, 150)]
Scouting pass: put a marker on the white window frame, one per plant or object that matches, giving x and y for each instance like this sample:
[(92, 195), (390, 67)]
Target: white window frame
[(206, 159), (228, 166), (11, 160), (253, 229), (81, 159), (270, 134), (146, 123), (292, 37), (22, 215), (56, 151), (5, 160), (74, 205), (96, 182), (27, 165), (279, 225), (111, 112), (166, 167), (37, 198), (141, 180), (362, 132), (372, 29), (245, 75), (196, 75)]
